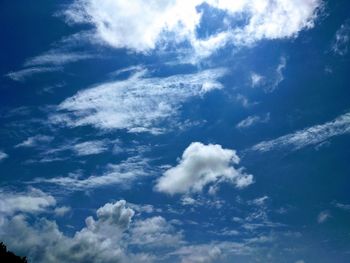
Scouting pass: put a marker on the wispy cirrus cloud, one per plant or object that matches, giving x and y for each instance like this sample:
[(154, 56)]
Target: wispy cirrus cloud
[(35, 141), (253, 120), (137, 104), (56, 57), (341, 40), (122, 174), (25, 73), (309, 136)]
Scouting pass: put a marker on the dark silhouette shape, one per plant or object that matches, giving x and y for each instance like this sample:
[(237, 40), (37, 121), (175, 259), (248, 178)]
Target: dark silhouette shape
[(8, 257)]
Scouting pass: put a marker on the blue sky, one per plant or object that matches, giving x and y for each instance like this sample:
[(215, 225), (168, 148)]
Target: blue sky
[(175, 131)]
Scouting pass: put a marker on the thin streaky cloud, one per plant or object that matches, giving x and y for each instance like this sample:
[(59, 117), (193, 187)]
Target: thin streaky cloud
[(309, 136), (23, 74)]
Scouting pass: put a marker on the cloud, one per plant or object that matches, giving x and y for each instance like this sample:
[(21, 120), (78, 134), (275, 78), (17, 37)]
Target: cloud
[(323, 217), (56, 58), (345, 207), (138, 104), (104, 238), (143, 27), (35, 141), (341, 40), (23, 74), (256, 79), (309, 136), (245, 101), (155, 232), (90, 148), (201, 165), (253, 120), (61, 211), (32, 201), (3, 156), (123, 174)]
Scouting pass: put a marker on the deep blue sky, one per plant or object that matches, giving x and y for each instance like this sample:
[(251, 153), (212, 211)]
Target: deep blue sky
[(165, 131)]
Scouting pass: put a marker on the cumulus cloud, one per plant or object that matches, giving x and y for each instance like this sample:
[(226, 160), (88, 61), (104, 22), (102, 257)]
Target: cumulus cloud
[(105, 238), (309, 136), (32, 201), (3, 155), (138, 104), (202, 165), (155, 232), (341, 40), (253, 120), (143, 26)]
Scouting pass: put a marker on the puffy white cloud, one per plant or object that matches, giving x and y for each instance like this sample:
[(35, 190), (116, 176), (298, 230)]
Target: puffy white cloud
[(309, 136), (137, 104), (201, 165), (142, 26), (3, 155), (32, 201), (253, 120), (105, 238)]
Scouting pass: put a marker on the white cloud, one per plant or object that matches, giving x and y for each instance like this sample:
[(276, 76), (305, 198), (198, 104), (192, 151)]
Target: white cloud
[(345, 207), (201, 165), (56, 58), (61, 211), (104, 238), (342, 38), (245, 101), (256, 79), (259, 201), (3, 155), (309, 136), (90, 148), (142, 26), (253, 120), (155, 232), (323, 217), (138, 104), (123, 174), (32, 201), (23, 74), (35, 141)]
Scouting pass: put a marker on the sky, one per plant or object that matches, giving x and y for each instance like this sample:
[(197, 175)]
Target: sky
[(168, 131)]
